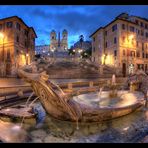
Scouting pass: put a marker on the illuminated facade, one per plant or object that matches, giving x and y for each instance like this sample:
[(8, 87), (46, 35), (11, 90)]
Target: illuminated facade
[(58, 43), (17, 45), (123, 43), (42, 49)]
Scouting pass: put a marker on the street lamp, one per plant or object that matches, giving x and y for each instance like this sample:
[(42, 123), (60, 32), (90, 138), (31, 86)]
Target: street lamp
[(27, 55)]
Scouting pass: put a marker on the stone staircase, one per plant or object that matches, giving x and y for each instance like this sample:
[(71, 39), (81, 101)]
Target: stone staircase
[(79, 70)]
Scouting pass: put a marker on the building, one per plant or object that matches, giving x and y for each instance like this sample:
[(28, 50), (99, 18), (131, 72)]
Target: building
[(123, 43), (58, 43), (17, 45), (82, 46), (42, 50)]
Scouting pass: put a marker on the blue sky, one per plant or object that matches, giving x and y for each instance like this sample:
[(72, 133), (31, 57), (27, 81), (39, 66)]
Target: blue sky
[(77, 19)]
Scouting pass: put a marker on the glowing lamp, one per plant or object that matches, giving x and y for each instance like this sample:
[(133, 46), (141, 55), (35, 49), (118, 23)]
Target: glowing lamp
[(131, 36), (1, 35)]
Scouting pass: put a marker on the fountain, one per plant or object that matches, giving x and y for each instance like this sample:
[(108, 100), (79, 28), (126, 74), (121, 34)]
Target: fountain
[(113, 87), (82, 109), (64, 108)]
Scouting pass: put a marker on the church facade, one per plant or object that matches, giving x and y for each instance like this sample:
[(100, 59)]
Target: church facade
[(58, 43)]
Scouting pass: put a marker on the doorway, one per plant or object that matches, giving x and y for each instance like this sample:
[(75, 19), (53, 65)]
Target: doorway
[(124, 69), (8, 68)]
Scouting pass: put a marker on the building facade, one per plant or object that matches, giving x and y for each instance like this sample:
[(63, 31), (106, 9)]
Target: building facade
[(57, 43), (82, 45), (123, 43), (17, 45), (42, 50)]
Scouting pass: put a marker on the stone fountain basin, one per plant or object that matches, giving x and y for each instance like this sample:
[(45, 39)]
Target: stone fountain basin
[(100, 108), (17, 114), (123, 99)]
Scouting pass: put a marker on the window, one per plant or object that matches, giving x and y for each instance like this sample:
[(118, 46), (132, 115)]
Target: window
[(138, 54), (9, 24), (123, 52), (17, 39), (115, 40), (114, 28), (1, 26), (106, 44), (146, 34), (26, 32), (94, 39), (146, 27), (142, 33), (132, 53), (18, 26), (106, 33), (123, 38), (143, 55), (52, 37), (138, 31), (141, 24), (115, 53), (137, 43), (142, 46), (132, 29), (123, 26), (137, 22)]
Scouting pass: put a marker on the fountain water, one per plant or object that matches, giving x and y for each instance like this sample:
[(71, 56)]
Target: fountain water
[(113, 87), (29, 98)]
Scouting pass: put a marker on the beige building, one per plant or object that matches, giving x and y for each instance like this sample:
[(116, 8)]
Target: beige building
[(123, 43), (17, 45), (57, 43)]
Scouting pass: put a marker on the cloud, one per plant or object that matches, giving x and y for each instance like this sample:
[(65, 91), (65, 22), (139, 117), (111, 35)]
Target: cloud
[(82, 19)]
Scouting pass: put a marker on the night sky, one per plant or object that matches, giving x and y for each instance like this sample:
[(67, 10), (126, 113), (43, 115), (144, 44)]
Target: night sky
[(77, 20)]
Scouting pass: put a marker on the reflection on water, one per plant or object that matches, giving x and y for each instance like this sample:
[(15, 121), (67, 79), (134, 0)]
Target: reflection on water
[(123, 129)]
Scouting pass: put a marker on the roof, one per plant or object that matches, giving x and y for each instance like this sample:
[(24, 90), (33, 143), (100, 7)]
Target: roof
[(117, 18), (20, 20), (34, 31), (96, 31)]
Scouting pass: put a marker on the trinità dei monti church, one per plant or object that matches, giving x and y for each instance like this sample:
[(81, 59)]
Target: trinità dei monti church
[(58, 42)]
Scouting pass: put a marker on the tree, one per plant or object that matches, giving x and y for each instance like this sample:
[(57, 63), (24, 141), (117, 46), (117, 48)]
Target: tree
[(87, 53)]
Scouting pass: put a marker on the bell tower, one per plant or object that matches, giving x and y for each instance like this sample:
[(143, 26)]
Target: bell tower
[(53, 40), (64, 42)]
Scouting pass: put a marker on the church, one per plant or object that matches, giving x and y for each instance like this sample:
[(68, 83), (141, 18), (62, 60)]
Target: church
[(57, 43)]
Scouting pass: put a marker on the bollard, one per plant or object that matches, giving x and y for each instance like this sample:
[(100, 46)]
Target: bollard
[(70, 86), (91, 84), (20, 93)]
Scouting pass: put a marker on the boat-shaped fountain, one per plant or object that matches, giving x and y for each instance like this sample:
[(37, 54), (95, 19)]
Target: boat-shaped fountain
[(60, 106)]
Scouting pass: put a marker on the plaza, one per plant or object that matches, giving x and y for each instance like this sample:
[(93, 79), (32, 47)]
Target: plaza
[(94, 91)]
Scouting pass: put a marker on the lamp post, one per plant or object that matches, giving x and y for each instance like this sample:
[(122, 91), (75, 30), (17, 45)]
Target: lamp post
[(27, 55)]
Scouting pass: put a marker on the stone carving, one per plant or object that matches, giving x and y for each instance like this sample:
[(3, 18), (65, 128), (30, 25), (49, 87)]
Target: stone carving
[(140, 80), (64, 108)]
